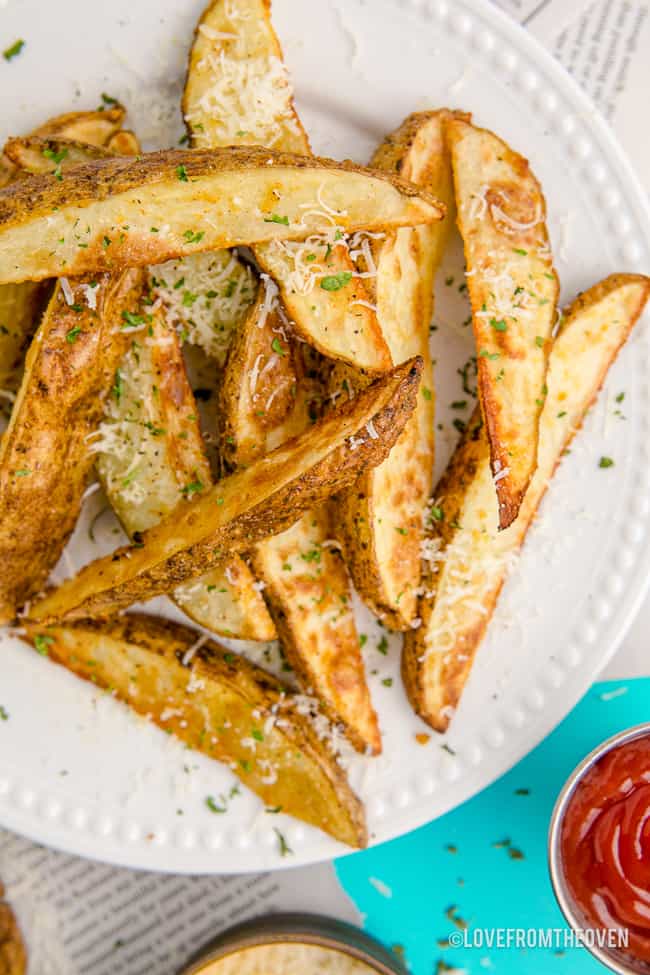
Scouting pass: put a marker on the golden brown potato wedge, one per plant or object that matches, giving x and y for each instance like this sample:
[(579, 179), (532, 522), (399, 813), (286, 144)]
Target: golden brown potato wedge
[(238, 93), (13, 955), (513, 290), (37, 154), (380, 517), (21, 305), (150, 455), (262, 500), (218, 703), (268, 395), (467, 556), (45, 462), (121, 212), (270, 389)]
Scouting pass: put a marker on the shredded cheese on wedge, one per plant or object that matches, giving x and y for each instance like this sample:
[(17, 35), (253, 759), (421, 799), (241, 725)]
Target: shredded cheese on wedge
[(206, 297)]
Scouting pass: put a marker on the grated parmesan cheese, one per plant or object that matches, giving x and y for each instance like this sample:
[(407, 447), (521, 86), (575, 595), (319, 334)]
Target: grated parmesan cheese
[(206, 296)]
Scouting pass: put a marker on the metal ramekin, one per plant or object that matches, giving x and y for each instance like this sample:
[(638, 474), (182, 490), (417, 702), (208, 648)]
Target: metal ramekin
[(309, 929), (612, 959)]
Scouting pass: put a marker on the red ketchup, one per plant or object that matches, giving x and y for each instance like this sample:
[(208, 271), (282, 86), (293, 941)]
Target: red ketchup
[(605, 844)]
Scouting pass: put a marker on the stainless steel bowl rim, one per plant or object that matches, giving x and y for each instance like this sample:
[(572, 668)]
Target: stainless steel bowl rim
[(614, 962)]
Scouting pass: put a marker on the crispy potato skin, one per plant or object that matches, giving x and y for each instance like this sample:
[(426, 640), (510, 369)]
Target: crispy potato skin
[(262, 500), (513, 290), (307, 589), (176, 189), (45, 462), (21, 305), (212, 704), (340, 324), (380, 517), (438, 657), (13, 955), (265, 396)]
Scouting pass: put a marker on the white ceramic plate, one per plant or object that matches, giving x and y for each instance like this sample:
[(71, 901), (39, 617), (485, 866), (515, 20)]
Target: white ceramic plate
[(76, 770)]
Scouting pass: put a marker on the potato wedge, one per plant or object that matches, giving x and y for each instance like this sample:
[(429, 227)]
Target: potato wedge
[(38, 155), (150, 455), (380, 518), (21, 305), (252, 504), (218, 703), (270, 394), (13, 955), (513, 289), (238, 93), (45, 462), (468, 557), (270, 390), (121, 212)]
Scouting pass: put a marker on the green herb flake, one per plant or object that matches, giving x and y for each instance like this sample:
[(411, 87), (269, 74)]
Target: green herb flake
[(285, 849), (605, 462), (42, 643), (498, 325), (4, 715), (334, 282), (12, 52), (275, 345), (539, 341), (275, 218), (72, 335), (55, 156), (192, 488), (23, 472), (428, 395), (193, 237), (437, 514), (519, 250), (257, 734), (382, 646), (181, 172), (211, 803)]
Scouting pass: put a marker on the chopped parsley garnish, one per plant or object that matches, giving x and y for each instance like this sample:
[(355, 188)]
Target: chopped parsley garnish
[(387, 681), (12, 52), (401, 531), (620, 397), (275, 218), (107, 100), (257, 734), (192, 488), (437, 514), (459, 404), (133, 320), (363, 639), (212, 805), (55, 156), (334, 282), (23, 472), (485, 354), (519, 250), (193, 237), (498, 325), (605, 462), (285, 849), (72, 335), (428, 395), (539, 341), (42, 643), (4, 715), (382, 646), (275, 345), (181, 172)]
